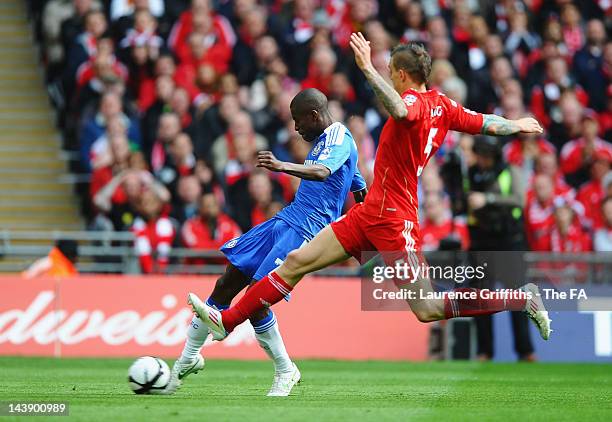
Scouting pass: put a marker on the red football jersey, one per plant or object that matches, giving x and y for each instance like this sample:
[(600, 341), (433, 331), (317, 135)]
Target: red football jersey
[(405, 147)]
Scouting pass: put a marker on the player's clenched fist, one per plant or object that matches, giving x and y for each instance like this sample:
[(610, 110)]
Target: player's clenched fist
[(361, 48), (267, 160), (529, 125)]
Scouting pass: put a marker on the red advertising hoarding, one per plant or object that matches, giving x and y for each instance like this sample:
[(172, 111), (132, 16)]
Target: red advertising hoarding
[(143, 315)]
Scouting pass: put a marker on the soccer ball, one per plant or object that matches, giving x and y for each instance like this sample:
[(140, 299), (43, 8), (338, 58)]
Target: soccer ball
[(148, 375)]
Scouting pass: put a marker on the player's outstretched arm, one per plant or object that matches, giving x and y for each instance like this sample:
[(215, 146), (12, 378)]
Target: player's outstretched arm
[(498, 126), (387, 95), (316, 172)]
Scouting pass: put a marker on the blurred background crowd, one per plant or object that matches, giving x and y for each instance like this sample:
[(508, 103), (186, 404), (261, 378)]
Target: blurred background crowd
[(166, 102)]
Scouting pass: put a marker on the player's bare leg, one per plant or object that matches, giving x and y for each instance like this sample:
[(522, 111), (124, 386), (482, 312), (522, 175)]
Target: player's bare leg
[(428, 310), (320, 252)]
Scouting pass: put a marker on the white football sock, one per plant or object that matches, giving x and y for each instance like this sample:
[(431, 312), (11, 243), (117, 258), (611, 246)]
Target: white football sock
[(197, 332), (271, 341)]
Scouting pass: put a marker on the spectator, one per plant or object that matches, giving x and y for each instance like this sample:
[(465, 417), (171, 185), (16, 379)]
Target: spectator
[(588, 64), (100, 154), (223, 148), (141, 47), (455, 89), (186, 204), (243, 163), (320, 70), (546, 163), (113, 160), (605, 118), (192, 20), (181, 105), (252, 199), (566, 119), (95, 127), (578, 155), (147, 87), (571, 22), (208, 181), (441, 70), (485, 94), (523, 151), (179, 162), (414, 20), (519, 38), (553, 33), (154, 233), (84, 46), (116, 188), (545, 98), (56, 15), (354, 17), (213, 123), (539, 213), (440, 227), (206, 41), (494, 196), (123, 17), (123, 8), (603, 235), (566, 234), (592, 193), (164, 88), (169, 128), (210, 228), (92, 75)]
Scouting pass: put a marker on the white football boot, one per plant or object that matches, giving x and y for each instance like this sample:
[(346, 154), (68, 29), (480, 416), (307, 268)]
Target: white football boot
[(180, 371), (284, 382), (536, 311), (210, 316)]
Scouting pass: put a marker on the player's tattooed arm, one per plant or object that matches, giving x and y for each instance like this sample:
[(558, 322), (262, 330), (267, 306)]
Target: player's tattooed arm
[(317, 172), (390, 99), (498, 126), (387, 95), (360, 195)]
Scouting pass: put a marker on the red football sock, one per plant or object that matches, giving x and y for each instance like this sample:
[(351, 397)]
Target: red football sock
[(265, 293), (460, 307)]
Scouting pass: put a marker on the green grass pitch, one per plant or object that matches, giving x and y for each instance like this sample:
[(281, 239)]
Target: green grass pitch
[(96, 389)]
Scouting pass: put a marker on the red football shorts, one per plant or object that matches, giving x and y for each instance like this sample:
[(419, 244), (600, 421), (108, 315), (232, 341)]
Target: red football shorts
[(395, 238)]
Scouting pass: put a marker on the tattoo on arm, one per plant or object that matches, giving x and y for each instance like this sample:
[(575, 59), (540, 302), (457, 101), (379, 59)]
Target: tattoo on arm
[(390, 99), (498, 126)]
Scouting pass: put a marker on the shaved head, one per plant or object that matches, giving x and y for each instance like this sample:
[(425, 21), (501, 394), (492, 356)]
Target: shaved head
[(310, 113), (308, 100)]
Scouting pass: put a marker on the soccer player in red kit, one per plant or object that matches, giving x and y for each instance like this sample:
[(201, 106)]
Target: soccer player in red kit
[(387, 221)]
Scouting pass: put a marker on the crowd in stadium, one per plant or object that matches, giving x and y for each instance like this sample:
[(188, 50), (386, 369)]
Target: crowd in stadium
[(167, 103)]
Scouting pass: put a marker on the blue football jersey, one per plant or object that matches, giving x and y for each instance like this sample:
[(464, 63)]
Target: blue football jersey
[(317, 204)]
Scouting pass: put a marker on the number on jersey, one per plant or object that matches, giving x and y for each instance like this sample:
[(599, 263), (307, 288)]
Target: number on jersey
[(428, 147)]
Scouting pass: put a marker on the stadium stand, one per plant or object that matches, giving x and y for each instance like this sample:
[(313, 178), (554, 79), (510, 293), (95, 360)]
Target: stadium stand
[(151, 94), (35, 193)]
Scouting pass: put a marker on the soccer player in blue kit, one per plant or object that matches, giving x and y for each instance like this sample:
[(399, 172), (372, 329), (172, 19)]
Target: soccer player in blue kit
[(329, 172)]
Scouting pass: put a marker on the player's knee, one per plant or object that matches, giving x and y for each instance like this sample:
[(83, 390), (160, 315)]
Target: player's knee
[(294, 263), (228, 286)]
